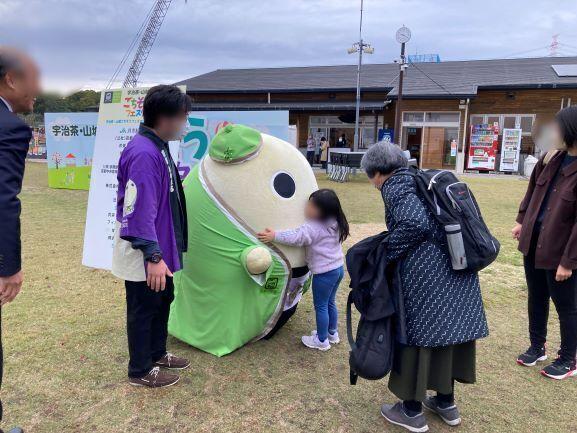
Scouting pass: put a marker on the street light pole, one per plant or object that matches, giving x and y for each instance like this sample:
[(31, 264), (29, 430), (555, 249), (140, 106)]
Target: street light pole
[(359, 47), (358, 102)]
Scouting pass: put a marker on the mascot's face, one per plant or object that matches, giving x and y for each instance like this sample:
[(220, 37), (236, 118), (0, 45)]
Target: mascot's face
[(269, 190)]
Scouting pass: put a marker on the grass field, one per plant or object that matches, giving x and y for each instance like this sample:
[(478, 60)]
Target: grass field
[(70, 177), (65, 345)]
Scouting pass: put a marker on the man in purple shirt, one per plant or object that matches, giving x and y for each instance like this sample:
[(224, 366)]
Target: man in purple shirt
[(151, 235)]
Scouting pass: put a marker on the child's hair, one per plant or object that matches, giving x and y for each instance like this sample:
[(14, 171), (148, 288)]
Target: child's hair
[(329, 205)]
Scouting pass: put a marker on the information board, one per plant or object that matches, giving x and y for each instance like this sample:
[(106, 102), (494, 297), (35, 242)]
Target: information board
[(70, 145)]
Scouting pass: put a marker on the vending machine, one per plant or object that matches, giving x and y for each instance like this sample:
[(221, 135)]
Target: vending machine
[(510, 149), (483, 146)]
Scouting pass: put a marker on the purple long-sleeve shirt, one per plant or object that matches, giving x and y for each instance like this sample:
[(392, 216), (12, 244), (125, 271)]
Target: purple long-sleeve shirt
[(143, 199), (321, 241)]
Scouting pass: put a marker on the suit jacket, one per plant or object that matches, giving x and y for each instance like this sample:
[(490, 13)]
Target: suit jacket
[(14, 140)]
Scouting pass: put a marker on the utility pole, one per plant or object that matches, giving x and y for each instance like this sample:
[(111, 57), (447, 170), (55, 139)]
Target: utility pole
[(359, 47), (403, 36)]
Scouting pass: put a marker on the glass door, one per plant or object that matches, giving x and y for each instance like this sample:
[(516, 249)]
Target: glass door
[(411, 140)]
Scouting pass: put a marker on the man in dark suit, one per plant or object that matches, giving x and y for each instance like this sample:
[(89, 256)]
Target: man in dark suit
[(19, 86)]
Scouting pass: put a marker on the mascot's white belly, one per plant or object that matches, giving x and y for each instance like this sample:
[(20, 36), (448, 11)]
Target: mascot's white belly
[(249, 189)]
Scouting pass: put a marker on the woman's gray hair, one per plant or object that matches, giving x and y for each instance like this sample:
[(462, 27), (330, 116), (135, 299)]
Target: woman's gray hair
[(383, 157)]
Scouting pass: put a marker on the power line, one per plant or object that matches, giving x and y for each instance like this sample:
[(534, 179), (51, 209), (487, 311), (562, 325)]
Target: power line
[(567, 46), (430, 78), (546, 47)]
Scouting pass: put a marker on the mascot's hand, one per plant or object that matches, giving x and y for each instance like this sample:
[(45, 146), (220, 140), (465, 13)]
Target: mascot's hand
[(258, 260)]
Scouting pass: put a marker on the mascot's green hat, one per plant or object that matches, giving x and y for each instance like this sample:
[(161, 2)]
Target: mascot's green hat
[(235, 144)]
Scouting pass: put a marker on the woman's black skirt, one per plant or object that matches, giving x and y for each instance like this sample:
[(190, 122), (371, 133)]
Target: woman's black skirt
[(418, 369)]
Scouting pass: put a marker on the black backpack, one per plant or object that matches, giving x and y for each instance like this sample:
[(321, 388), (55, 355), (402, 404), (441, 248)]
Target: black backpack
[(371, 354), (472, 247)]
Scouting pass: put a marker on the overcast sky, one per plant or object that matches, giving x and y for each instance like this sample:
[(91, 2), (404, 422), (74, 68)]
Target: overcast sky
[(79, 43)]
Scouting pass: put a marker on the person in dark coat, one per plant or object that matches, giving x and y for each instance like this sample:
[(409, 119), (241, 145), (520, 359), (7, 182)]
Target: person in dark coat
[(547, 232), (19, 86), (444, 311)]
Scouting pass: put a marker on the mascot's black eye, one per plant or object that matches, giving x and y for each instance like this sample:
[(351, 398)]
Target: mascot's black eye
[(284, 185)]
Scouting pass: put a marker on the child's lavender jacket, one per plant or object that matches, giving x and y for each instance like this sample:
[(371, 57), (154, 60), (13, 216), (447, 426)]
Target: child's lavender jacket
[(323, 248)]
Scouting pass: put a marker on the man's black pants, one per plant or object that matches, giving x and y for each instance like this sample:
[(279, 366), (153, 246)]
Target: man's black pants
[(542, 286), (146, 324)]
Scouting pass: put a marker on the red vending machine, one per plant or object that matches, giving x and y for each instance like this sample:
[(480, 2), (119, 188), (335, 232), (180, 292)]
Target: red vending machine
[(483, 146)]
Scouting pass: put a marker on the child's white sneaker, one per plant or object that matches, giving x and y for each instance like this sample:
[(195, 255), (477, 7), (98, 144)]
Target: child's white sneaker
[(333, 338), (313, 342)]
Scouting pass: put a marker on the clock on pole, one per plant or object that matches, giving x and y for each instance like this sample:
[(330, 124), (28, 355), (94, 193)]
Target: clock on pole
[(403, 35)]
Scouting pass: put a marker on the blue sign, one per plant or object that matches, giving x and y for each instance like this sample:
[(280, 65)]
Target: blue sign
[(386, 135)]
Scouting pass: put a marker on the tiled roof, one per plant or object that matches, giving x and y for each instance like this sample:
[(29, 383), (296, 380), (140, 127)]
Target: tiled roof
[(445, 79)]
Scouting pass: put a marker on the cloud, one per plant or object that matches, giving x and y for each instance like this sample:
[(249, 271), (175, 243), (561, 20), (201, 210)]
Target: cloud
[(79, 43)]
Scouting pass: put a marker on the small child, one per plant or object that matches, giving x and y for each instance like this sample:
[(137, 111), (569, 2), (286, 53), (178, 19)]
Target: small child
[(322, 235)]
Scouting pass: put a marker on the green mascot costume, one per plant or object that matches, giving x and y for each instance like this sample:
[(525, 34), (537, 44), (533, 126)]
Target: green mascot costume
[(233, 289)]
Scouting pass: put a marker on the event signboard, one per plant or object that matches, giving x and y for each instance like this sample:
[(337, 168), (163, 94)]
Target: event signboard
[(118, 121), (119, 115), (70, 144)]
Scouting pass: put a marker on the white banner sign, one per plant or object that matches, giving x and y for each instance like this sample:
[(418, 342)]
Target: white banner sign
[(119, 118)]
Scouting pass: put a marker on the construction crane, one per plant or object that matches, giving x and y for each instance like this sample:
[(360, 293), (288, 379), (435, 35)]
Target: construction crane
[(147, 35)]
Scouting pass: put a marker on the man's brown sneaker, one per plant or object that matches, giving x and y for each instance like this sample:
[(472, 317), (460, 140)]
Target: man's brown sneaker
[(172, 362), (155, 379)]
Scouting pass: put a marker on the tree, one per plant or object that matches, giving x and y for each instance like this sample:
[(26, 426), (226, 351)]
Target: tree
[(83, 100), (57, 158)]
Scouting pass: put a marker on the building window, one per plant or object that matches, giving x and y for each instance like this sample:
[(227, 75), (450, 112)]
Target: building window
[(413, 117), (510, 121), (442, 117), (477, 120), (333, 128), (526, 124)]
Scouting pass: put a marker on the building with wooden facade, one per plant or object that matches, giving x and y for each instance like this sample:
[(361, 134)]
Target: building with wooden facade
[(440, 100)]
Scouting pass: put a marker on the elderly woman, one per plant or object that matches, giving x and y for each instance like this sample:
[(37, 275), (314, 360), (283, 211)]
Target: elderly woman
[(443, 307)]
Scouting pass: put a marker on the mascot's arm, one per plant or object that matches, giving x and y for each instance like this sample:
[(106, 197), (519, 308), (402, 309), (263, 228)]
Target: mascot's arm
[(257, 262)]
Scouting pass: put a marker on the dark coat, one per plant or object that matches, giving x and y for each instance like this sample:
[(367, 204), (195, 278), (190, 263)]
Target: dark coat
[(15, 137), (376, 282), (443, 307), (557, 242)]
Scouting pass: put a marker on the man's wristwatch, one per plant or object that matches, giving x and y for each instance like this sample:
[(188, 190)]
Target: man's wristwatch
[(155, 258)]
